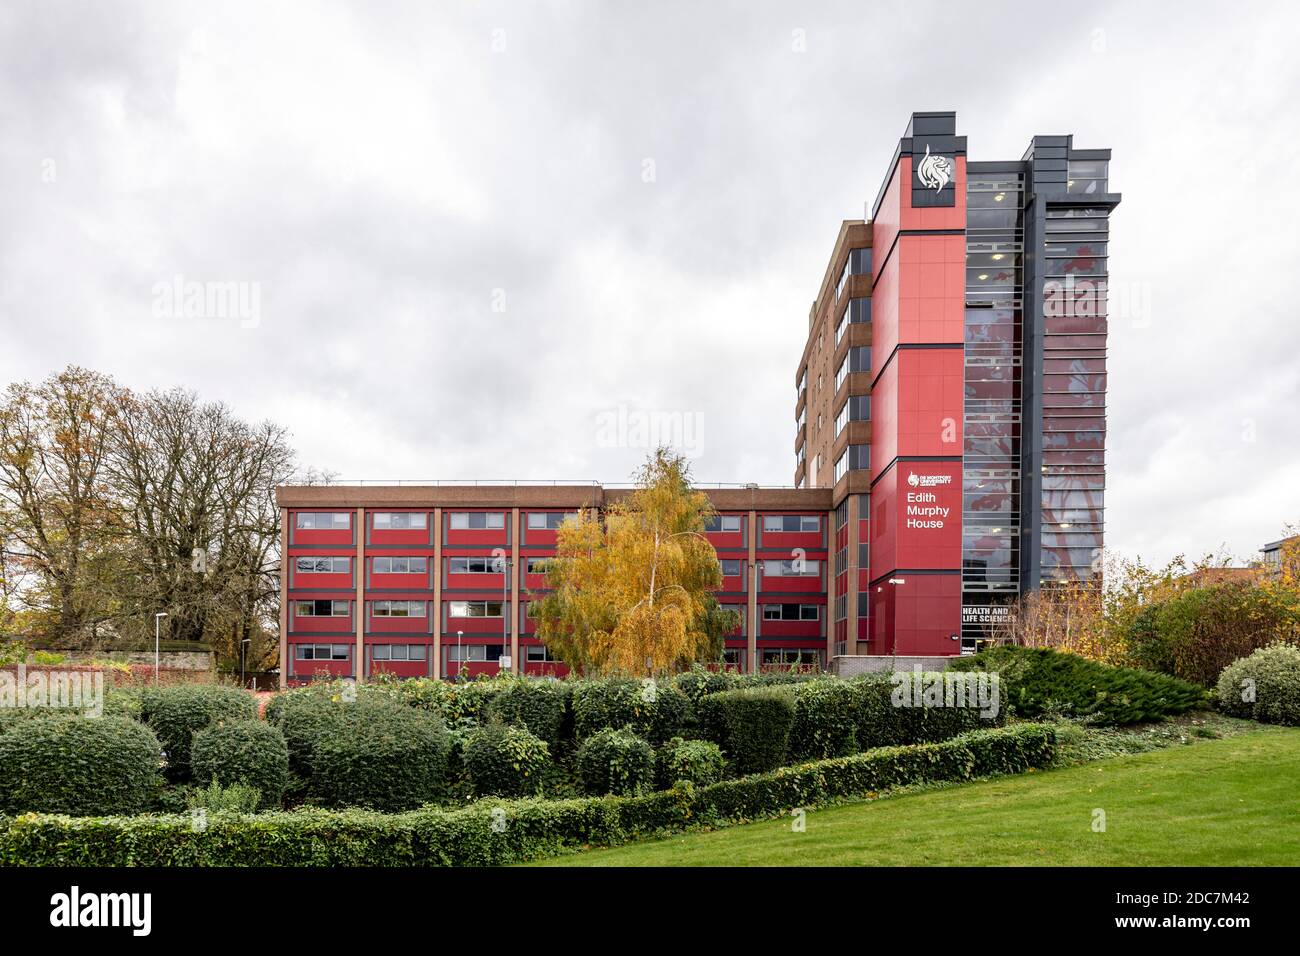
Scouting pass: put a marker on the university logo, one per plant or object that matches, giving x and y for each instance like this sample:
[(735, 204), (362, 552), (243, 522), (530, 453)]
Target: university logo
[(927, 481), (934, 171)]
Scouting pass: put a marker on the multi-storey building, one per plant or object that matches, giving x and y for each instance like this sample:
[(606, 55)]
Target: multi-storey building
[(949, 453), (958, 346), (432, 580)]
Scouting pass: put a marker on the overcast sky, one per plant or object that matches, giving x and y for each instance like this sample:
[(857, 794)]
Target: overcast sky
[(491, 240)]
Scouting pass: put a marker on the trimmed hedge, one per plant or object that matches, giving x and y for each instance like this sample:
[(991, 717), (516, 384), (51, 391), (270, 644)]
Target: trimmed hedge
[(751, 726), (505, 761), (880, 722), (616, 761), (376, 754), (84, 766), (533, 828), (177, 713), (656, 710), (698, 762), (249, 752), (825, 720), (1264, 686), (1038, 681), (537, 706)]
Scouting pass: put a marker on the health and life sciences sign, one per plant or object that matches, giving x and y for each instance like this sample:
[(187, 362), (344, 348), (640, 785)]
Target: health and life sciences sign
[(986, 614)]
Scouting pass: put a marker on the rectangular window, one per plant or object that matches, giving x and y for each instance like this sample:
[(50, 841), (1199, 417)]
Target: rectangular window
[(474, 609), (322, 565), (537, 565), (791, 612), (322, 608), (323, 652), (398, 608), (323, 520), (401, 566), (730, 568), (394, 520), (841, 465), (398, 652), (791, 523), (791, 569), (479, 565), (478, 520), (467, 652), (723, 523), (547, 520)]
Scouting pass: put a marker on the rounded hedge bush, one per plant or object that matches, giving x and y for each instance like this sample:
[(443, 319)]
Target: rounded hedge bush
[(373, 753), (752, 726), (697, 761), (1264, 686), (248, 752), (504, 761), (536, 705), (177, 713), (657, 710), (615, 760), (81, 767)]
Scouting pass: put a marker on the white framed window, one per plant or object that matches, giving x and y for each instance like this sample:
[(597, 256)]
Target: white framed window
[(399, 652), (322, 565), (476, 565), (398, 609), (537, 565), (791, 612), (547, 520), (401, 565), (474, 608), (321, 608), (791, 568), (323, 520), (730, 567), (803, 523), (396, 520), (478, 520), (323, 652), (728, 523)]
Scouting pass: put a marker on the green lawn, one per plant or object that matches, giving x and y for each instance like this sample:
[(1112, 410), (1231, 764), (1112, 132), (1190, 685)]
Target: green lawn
[(1217, 802)]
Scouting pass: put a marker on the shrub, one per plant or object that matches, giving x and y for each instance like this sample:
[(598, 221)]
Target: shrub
[(615, 760), (1039, 681), (177, 713), (751, 726), (536, 705), (505, 761), (652, 709), (106, 765), (374, 753), (825, 720), (697, 761), (238, 798), (247, 752), (1273, 694), (1197, 632), (881, 723), (536, 828)]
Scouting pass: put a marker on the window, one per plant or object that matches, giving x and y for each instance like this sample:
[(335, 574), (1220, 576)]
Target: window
[(791, 523), (1087, 176), (791, 569), (483, 565), (478, 520), (401, 566), (841, 465), (394, 520), (730, 568), (537, 653), (398, 609), (323, 652), (859, 457), (841, 373), (323, 520), (729, 523), (474, 609), (398, 652), (791, 655), (547, 520), (322, 608), (537, 565), (322, 565), (467, 652), (856, 409), (791, 612)]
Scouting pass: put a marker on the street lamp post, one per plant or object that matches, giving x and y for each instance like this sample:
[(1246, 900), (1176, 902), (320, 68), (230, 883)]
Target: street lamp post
[(460, 654), (157, 645)]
